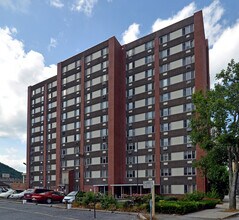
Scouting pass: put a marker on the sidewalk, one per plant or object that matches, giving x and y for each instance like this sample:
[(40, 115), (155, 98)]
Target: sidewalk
[(220, 212)]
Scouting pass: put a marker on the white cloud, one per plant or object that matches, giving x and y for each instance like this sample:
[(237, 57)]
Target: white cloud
[(212, 15), (85, 6), (19, 69), (15, 5), (52, 44), (56, 3), (131, 34), (12, 159), (224, 49), (184, 13)]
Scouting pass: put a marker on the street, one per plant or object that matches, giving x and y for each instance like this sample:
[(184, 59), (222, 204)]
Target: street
[(10, 209)]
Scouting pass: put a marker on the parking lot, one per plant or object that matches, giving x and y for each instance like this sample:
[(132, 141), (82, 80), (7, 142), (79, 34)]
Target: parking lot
[(16, 210)]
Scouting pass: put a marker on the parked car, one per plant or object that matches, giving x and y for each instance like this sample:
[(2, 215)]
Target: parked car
[(70, 197), (28, 195), (7, 194), (48, 197), (18, 195)]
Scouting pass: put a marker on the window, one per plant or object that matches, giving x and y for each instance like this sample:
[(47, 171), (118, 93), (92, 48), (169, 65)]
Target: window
[(149, 144), (104, 91), (188, 29), (149, 115), (189, 155), (104, 132), (130, 173), (149, 173), (189, 75), (149, 130), (130, 53), (164, 82), (87, 109), (131, 160), (149, 87), (87, 161), (166, 157), (165, 112), (149, 73), (88, 122), (164, 67), (130, 132), (130, 146), (104, 118), (88, 135), (189, 171), (149, 101), (87, 174), (188, 91), (149, 158), (165, 97), (187, 139), (104, 173), (164, 39), (149, 59), (187, 45), (165, 142), (165, 53), (166, 189), (130, 79), (130, 105), (188, 60), (165, 127), (104, 105), (130, 66), (186, 123), (130, 119), (188, 107), (104, 160), (104, 146), (130, 92), (166, 172), (149, 45), (189, 188)]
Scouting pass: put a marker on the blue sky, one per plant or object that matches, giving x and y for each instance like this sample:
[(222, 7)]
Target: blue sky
[(37, 34)]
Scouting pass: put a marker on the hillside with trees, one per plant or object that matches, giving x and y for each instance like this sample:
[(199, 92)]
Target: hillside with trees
[(9, 170)]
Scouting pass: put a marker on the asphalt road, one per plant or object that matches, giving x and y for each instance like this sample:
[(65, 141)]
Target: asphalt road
[(12, 210)]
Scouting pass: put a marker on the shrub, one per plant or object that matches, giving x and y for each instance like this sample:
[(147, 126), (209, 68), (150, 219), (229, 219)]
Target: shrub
[(195, 196), (107, 201), (88, 198), (183, 207)]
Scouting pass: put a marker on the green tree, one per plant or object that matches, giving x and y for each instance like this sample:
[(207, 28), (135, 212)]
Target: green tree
[(216, 122), (214, 167)]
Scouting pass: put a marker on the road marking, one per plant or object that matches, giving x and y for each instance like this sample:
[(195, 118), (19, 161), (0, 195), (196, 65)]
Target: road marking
[(38, 213)]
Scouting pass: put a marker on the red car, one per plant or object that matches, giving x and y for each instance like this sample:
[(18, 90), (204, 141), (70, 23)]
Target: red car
[(30, 192), (48, 197)]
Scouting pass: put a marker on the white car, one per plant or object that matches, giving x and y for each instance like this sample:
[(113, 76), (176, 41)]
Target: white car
[(18, 195), (70, 197), (7, 194)]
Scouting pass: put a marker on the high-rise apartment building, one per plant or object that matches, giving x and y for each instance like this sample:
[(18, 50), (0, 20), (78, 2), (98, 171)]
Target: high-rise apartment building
[(115, 116)]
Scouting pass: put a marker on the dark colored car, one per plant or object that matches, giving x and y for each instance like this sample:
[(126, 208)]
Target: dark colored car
[(30, 192), (48, 197)]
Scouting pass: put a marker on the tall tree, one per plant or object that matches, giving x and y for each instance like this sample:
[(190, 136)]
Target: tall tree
[(216, 121)]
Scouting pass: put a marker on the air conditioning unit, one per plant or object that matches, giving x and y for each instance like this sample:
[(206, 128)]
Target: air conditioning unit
[(104, 96), (188, 67), (104, 137), (129, 151)]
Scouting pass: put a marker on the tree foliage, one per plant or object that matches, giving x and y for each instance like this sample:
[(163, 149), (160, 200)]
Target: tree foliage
[(215, 125)]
